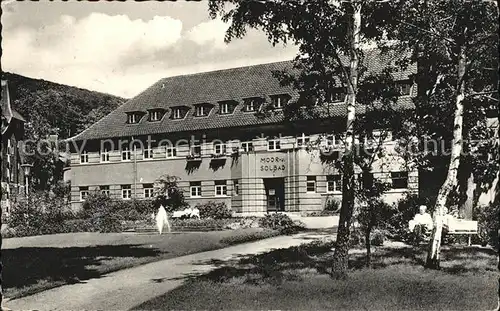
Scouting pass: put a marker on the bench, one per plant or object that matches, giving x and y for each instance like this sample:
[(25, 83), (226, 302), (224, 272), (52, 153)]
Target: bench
[(461, 226)]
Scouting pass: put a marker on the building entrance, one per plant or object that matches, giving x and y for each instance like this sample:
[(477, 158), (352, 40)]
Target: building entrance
[(275, 194)]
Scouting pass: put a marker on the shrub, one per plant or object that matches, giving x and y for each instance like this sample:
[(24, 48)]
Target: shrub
[(332, 205), (214, 210), (248, 237), (134, 209), (200, 224), (377, 237), (39, 214), (280, 222), (102, 212), (488, 224)]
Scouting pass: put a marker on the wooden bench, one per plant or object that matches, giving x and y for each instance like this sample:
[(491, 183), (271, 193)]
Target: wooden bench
[(461, 226)]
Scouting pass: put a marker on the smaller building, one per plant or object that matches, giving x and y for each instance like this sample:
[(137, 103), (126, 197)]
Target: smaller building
[(11, 159)]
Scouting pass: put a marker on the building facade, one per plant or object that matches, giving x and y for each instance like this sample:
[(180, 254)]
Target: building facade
[(208, 129), (11, 159)]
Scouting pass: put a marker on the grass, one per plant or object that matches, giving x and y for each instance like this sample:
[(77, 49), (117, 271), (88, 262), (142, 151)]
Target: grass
[(37, 263), (298, 279)]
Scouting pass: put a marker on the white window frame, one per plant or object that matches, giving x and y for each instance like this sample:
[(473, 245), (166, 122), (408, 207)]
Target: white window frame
[(84, 193), (220, 188), (132, 118), (155, 116), (126, 152), (311, 180), (192, 148), (105, 155), (250, 105), (170, 152), (177, 114), (333, 182), (224, 108), (303, 140), (84, 157), (104, 191), (247, 146), (197, 190), (126, 192), (148, 191), (278, 102), (220, 148), (274, 144), (199, 111), (147, 151)]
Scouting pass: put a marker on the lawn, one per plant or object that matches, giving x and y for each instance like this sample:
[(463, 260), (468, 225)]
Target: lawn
[(298, 279), (37, 263)]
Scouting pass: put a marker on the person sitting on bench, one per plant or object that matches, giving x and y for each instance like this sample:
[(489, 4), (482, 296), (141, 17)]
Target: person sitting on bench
[(422, 223)]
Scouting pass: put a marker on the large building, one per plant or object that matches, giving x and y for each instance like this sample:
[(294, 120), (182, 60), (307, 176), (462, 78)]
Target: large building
[(11, 159), (206, 129)]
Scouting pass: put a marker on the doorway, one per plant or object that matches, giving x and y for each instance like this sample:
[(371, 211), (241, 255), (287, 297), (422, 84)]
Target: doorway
[(275, 194)]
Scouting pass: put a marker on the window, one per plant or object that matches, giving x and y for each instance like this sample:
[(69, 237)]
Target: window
[(220, 188), (331, 141), (126, 192), (302, 140), (195, 189), (104, 190), (399, 180), (366, 180), (171, 152), (311, 184), (199, 111), (148, 190), (195, 150), (274, 144), (133, 118), (84, 157), (247, 146), (148, 152), (84, 193), (336, 95), (105, 155), (177, 113), (224, 108), (250, 105), (125, 153), (155, 115), (219, 148), (404, 88), (279, 101), (236, 187), (334, 183)]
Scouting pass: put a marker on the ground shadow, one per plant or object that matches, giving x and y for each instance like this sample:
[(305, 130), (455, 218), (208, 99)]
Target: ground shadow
[(27, 266)]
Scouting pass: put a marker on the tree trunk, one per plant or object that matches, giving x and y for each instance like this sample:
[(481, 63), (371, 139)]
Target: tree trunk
[(340, 256), (368, 247), (451, 180)]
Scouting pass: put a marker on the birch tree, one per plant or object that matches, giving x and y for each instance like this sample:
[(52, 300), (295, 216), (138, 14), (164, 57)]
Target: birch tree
[(455, 44), (329, 35)]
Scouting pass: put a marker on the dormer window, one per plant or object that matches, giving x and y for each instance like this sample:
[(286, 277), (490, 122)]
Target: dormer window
[(279, 101), (224, 108), (202, 110), (156, 115), (251, 104), (133, 117), (336, 95), (227, 106), (179, 112), (404, 88)]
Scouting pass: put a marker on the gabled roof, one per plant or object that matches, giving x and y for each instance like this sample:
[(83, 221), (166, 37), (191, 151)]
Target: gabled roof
[(8, 113), (210, 87)]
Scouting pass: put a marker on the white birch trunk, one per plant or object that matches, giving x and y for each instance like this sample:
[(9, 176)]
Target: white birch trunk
[(451, 178), (340, 256)]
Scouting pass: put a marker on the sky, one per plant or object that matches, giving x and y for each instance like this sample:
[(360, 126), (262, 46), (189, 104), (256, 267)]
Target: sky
[(121, 48)]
